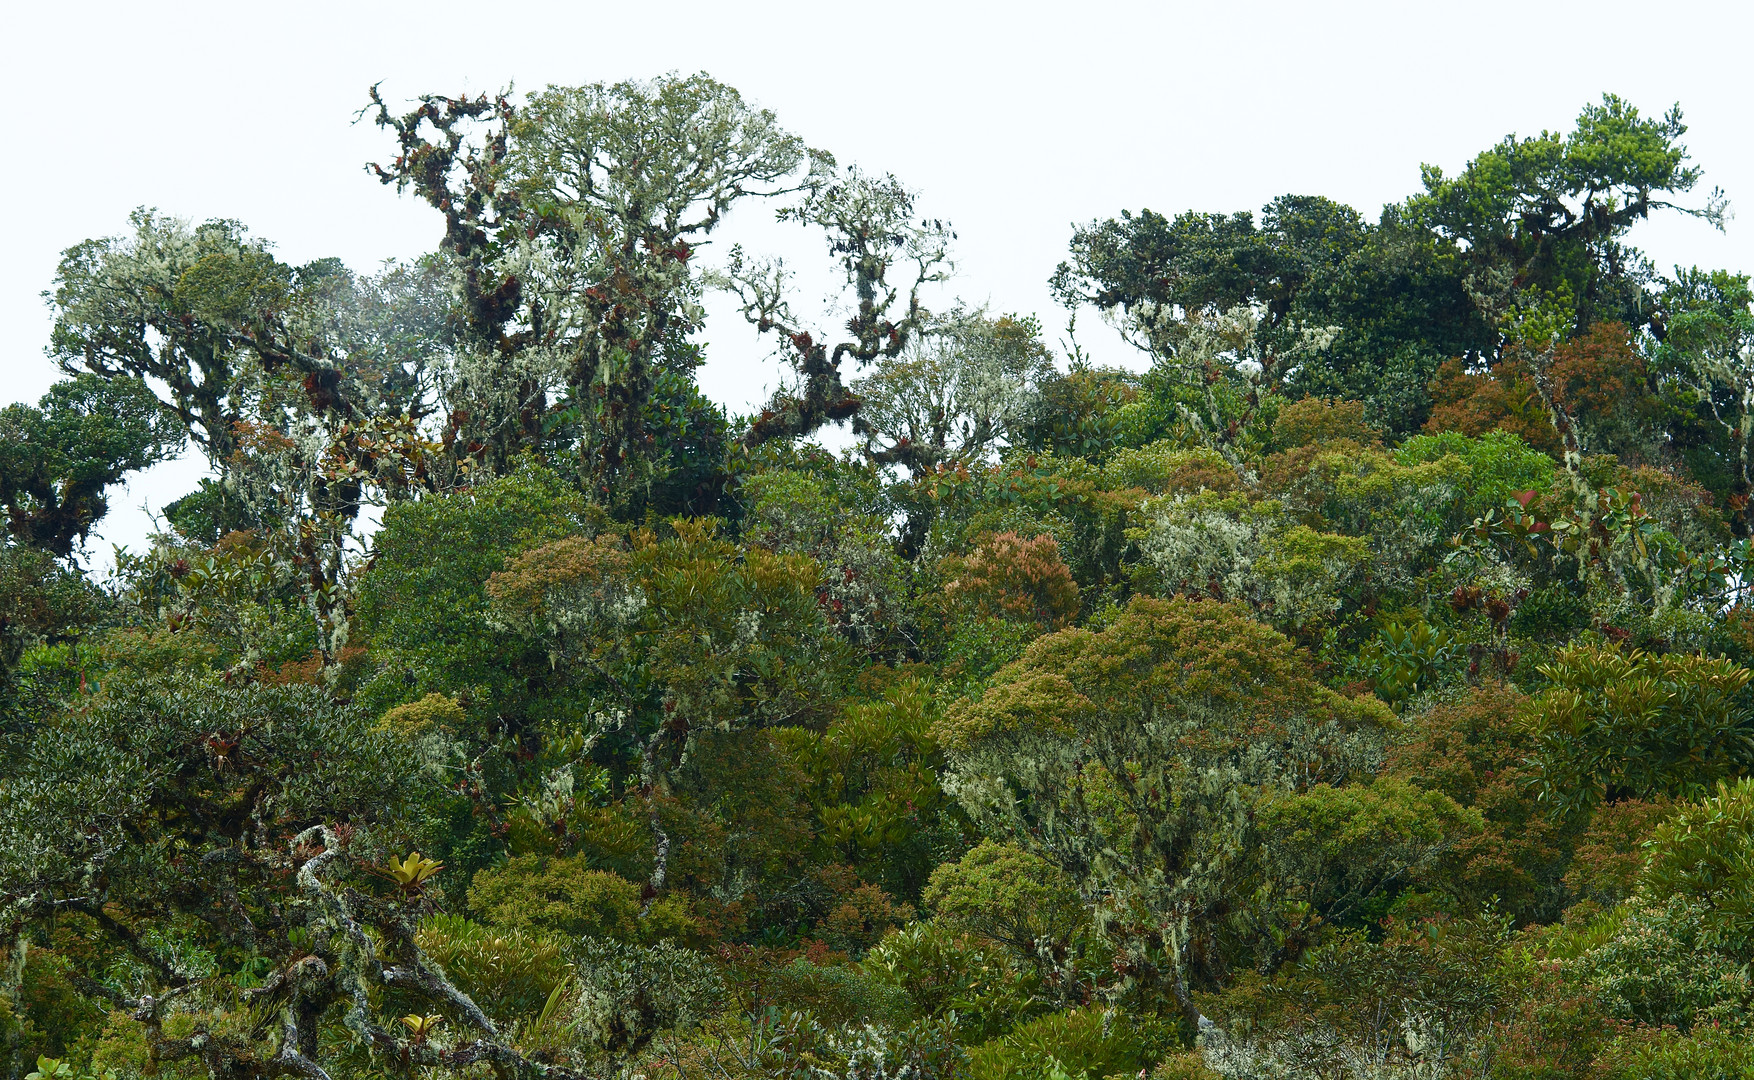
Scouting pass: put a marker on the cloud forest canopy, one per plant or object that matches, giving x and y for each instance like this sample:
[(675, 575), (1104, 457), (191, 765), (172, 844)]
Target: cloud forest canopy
[(1362, 691)]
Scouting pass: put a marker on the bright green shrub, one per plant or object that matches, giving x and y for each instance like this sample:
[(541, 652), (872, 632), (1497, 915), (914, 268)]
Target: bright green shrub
[(432, 713), (872, 783), (1007, 895), (941, 971), (1705, 854), (1082, 1041), (1496, 465), (1163, 468), (423, 604), (564, 895), (509, 973)]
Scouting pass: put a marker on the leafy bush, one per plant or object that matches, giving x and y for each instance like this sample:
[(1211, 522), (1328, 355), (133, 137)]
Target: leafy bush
[(942, 972), (839, 994), (1663, 968), (1319, 420), (564, 895), (1704, 853), (1627, 724), (1007, 895), (1089, 1040), (509, 973), (1010, 577), (1133, 758), (628, 993), (1708, 1052), (424, 605)]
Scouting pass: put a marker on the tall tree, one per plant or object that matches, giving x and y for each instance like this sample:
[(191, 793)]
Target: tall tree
[(572, 223), (960, 392), (872, 233)]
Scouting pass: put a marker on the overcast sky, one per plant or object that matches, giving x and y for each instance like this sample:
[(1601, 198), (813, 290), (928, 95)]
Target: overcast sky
[(1014, 121)]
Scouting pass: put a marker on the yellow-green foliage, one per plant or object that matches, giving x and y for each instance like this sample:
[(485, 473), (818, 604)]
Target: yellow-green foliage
[(941, 970), (1008, 895), (1708, 1052), (1177, 657), (1319, 420), (1187, 1065), (1133, 757), (1164, 468), (563, 895), (434, 713), (1325, 850), (509, 973), (1082, 1041)]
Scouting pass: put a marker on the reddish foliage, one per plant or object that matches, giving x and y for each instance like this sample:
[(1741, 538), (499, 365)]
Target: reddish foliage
[(1009, 577), (1470, 750)]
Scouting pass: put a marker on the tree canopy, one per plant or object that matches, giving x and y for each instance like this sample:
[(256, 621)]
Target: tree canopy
[(1365, 690)]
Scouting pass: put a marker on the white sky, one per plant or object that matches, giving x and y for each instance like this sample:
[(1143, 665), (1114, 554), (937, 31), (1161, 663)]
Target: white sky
[(1015, 121)]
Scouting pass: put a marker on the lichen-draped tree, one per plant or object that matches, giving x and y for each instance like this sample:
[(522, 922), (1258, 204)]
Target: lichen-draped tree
[(236, 845), (958, 394), (872, 232), (1134, 758), (573, 223), (304, 387)]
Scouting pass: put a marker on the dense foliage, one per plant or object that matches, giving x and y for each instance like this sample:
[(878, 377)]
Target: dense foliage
[(1366, 690)]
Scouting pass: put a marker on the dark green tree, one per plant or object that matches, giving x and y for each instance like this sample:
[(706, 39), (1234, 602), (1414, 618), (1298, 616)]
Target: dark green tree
[(59, 458)]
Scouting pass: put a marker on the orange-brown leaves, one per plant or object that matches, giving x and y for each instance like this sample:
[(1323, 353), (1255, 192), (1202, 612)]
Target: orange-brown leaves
[(1311, 421), (1009, 577), (1502, 399)]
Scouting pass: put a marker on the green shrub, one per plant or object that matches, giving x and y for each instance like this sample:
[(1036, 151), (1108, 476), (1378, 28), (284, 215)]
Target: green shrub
[(629, 993), (564, 895), (1707, 1052), (1497, 465), (509, 973), (1086, 1040), (423, 604), (1660, 968), (1551, 614), (1705, 852), (1619, 724), (943, 972), (1318, 420), (839, 995), (1008, 895)]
